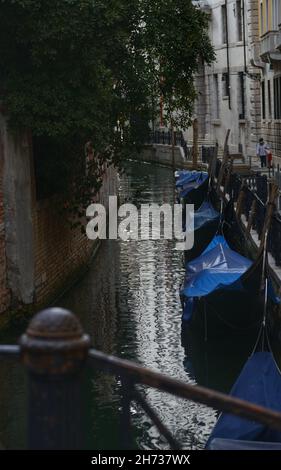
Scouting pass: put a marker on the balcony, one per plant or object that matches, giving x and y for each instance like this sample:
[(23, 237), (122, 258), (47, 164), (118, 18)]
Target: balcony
[(278, 40), (203, 5), (269, 43)]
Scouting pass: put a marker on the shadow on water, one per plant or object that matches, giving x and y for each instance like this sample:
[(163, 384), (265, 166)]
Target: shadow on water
[(129, 304), (215, 364)]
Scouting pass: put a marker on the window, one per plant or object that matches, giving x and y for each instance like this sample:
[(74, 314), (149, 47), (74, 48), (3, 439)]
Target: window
[(241, 95), (269, 99), (262, 100), (261, 19), (216, 97), (266, 16), (239, 20), (275, 14), (223, 23), (225, 84), (277, 97)]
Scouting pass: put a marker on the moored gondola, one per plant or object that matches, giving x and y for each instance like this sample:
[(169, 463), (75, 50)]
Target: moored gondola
[(259, 383), (206, 224), (192, 187), (222, 291)]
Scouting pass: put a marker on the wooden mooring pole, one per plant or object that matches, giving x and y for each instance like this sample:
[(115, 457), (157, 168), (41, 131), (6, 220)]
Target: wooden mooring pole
[(195, 150), (173, 143)]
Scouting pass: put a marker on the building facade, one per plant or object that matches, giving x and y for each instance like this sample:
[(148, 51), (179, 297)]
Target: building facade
[(229, 89), (270, 86)]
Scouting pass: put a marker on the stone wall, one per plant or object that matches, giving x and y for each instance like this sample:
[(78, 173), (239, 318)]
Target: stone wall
[(162, 154), (40, 253), (61, 252), (252, 17), (270, 127), (4, 290)]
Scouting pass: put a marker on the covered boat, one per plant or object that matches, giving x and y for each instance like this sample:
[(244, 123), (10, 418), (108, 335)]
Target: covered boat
[(192, 187), (186, 177), (222, 289), (259, 383), (206, 225)]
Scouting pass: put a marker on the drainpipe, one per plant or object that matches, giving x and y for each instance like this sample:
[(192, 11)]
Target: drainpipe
[(244, 37), (227, 55)]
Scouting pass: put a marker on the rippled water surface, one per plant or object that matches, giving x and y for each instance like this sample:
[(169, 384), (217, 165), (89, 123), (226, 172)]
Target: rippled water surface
[(128, 302)]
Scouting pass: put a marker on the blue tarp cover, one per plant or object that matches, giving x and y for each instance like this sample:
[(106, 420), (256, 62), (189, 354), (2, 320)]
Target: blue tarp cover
[(217, 267), (185, 176), (189, 181), (204, 215), (231, 444), (259, 383), (217, 240)]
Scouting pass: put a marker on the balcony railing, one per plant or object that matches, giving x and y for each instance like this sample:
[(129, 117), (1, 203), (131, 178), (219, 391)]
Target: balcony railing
[(268, 46)]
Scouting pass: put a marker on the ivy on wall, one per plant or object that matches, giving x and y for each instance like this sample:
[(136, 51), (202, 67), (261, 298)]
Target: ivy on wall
[(80, 70)]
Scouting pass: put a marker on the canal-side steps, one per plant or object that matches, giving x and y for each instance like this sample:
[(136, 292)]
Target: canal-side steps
[(174, 151)]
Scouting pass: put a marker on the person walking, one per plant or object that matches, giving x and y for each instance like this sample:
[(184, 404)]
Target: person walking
[(262, 150)]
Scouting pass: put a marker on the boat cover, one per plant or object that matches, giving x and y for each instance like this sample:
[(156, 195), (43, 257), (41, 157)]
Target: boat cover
[(204, 215), (232, 444), (185, 176), (259, 383), (217, 240), (217, 267), (191, 180)]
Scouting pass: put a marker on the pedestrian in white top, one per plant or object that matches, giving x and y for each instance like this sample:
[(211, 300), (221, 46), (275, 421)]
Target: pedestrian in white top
[(262, 150)]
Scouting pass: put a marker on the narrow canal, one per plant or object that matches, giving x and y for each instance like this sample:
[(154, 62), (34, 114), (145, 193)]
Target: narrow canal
[(128, 302)]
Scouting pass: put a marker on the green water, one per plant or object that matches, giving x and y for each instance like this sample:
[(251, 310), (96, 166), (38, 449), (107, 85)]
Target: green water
[(129, 304)]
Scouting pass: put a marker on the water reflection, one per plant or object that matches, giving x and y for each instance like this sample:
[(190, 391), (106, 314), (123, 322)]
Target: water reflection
[(128, 302)]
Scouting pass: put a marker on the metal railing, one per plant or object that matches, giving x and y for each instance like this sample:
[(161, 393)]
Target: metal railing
[(255, 189), (206, 153), (55, 350), (165, 138)]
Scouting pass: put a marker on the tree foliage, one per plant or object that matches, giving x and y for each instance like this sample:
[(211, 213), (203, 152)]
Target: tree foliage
[(73, 70)]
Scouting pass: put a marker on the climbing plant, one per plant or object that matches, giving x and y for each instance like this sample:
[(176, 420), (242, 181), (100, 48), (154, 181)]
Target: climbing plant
[(80, 70)]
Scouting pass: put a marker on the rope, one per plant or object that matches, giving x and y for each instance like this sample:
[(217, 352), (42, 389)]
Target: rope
[(262, 335), (270, 349)]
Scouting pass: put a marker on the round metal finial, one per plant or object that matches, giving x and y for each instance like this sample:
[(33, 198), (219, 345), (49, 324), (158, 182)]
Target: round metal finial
[(55, 323), (54, 343)]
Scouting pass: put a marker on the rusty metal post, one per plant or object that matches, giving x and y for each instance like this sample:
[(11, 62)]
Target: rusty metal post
[(53, 350)]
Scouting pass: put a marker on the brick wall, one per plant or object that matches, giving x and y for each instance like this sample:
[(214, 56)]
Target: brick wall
[(4, 291), (40, 255), (271, 132), (61, 252)]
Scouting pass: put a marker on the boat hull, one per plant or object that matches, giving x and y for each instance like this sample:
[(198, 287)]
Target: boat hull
[(197, 195), (202, 237), (224, 310)]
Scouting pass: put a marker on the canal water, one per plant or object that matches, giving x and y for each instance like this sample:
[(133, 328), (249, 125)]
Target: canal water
[(129, 304)]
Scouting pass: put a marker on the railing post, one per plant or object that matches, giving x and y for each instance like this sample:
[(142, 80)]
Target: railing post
[(54, 349)]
